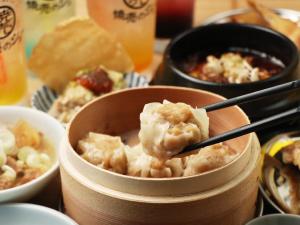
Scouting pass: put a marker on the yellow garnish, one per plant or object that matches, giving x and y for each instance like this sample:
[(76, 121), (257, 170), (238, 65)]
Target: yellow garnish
[(280, 144)]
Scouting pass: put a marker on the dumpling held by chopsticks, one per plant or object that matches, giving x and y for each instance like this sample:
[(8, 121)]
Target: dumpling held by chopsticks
[(167, 128)]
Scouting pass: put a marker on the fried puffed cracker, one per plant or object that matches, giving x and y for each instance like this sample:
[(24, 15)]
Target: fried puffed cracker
[(75, 45), (276, 22), (249, 18)]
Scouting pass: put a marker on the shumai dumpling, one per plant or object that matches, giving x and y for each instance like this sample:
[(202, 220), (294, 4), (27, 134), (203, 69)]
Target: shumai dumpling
[(209, 158), (167, 128), (143, 165), (104, 151)]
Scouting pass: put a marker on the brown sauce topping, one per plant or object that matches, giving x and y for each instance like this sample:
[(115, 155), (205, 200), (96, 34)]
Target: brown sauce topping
[(234, 66), (96, 81)]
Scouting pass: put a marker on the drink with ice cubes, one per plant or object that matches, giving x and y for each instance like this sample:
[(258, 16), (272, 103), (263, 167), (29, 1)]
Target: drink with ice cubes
[(42, 16)]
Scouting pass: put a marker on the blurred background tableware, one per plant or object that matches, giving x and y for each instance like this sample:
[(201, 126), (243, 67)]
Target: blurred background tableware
[(172, 18), (52, 130), (259, 206), (280, 178), (41, 16), (132, 23), (226, 17), (205, 9), (12, 61), (222, 38), (276, 219), (107, 196), (30, 214)]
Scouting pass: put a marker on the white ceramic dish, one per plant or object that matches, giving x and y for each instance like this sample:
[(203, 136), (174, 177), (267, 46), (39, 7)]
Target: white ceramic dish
[(276, 219), (29, 214), (52, 130)]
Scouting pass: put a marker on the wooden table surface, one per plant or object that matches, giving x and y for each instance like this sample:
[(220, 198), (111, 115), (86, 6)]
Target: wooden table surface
[(203, 9)]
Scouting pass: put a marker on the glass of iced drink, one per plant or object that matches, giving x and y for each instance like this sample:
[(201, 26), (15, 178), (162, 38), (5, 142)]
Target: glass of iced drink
[(12, 58), (173, 17), (41, 16), (132, 22)]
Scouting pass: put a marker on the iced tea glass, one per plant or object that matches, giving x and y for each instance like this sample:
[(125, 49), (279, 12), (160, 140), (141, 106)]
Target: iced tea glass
[(12, 57), (173, 17), (132, 22)]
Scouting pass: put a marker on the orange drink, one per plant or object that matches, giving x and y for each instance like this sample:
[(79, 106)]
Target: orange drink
[(132, 23), (3, 75), (12, 60)]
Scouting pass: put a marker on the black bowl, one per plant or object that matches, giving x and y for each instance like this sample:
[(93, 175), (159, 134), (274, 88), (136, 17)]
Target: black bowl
[(219, 37)]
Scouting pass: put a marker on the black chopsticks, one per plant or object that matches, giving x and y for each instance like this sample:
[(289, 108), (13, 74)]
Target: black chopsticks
[(254, 96), (261, 124), (253, 127)]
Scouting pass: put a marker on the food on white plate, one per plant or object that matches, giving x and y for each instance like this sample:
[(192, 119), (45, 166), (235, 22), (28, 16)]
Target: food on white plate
[(25, 154), (86, 86), (166, 128), (276, 22), (75, 45), (264, 16)]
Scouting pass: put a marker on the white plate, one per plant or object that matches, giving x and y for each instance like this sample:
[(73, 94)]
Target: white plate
[(276, 219), (29, 214)]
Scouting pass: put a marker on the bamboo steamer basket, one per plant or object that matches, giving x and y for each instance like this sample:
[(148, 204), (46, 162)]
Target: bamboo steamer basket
[(94, 196)]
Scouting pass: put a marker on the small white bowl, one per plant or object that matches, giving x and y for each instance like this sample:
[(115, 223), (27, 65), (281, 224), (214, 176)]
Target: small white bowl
[(30, 214), (52, 130)]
